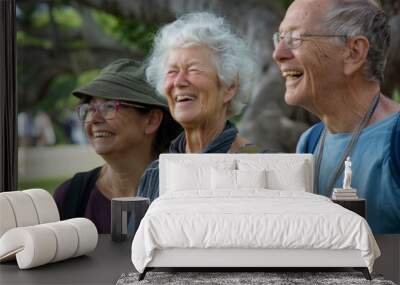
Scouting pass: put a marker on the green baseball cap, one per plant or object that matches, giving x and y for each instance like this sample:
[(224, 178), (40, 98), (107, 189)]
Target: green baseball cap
[(123, 79)]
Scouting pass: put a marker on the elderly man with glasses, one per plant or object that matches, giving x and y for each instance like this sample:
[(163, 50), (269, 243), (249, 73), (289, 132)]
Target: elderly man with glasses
[(332, 55)]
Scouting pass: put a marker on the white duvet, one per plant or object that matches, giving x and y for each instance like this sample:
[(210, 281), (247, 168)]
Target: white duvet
[(254, 218)]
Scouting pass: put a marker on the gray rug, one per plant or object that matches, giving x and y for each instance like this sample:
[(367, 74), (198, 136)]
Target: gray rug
[(269, 278)]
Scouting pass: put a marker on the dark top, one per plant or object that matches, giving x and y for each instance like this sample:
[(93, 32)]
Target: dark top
[(149, 183), (98, 208)]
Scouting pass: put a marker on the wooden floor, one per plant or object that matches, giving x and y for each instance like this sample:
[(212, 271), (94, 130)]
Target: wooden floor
[(389, 262)]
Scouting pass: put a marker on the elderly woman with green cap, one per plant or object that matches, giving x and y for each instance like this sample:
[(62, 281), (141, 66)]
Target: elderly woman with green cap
[(128, 125)]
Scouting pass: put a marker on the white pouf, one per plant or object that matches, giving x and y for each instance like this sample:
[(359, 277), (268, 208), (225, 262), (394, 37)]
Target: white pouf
[(40, 244)]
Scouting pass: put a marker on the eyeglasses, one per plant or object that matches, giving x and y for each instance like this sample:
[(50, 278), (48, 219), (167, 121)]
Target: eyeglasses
[(294, 39), (106, 109)]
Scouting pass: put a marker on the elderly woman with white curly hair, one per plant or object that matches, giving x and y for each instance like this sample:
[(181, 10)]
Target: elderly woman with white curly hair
[(206, 72)]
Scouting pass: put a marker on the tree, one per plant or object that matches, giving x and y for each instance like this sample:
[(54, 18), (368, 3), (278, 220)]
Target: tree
[(267, 120), (49, 47)]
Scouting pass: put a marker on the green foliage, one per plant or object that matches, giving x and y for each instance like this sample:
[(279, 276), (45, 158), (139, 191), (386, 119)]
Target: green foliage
[(237, 118), (23, 39), (286, 3), (40, 18), (65, 17), (59, 103), (49, 184), (396, 95), (82, 79), (59, 92), (107, 21), (129, 32), (87, 76)]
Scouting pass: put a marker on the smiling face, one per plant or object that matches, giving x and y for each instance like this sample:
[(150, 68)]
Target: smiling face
[(193, 89), (315, 68), (118, 135)]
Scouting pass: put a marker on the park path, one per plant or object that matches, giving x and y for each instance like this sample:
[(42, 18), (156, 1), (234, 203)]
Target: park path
[(55, 161)]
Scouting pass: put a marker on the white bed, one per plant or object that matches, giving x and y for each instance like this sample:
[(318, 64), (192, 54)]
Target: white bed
[(247, 210)]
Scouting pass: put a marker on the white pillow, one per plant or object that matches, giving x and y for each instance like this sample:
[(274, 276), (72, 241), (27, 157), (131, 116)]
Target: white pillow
[(183, 177), (293, 181), (186, 175), (281, 173), (223, 179), (236, 179), (251, 178)]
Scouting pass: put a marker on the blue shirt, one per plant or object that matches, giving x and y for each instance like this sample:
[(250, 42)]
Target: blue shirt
[(371, 169)]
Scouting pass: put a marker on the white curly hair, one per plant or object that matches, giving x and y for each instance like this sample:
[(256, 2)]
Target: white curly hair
[(233, 58)]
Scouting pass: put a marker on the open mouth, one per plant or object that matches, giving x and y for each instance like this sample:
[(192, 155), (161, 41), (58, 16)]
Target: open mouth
[(184, 98), (292, 74), (102, 134)]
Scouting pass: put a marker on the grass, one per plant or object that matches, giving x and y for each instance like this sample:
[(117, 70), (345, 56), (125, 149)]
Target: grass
[(49, 184), (396, 95)]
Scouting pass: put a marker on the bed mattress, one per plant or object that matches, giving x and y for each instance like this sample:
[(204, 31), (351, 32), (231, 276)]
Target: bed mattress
[(250, 219)]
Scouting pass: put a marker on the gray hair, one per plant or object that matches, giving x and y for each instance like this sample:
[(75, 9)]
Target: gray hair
[(233, 59), (366, 18)]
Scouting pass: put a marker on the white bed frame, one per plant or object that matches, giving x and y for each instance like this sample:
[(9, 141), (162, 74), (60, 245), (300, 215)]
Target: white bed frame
[(243, 259)]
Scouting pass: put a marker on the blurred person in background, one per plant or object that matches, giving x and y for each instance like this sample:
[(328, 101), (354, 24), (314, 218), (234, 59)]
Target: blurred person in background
[(44, 132), (73, 128), (26, 129)]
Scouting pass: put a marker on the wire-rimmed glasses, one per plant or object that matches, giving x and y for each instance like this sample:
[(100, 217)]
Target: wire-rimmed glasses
[(294, 39)]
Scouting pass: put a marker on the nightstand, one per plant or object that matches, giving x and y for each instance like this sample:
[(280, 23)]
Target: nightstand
[(358, 206), (124, 209)]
